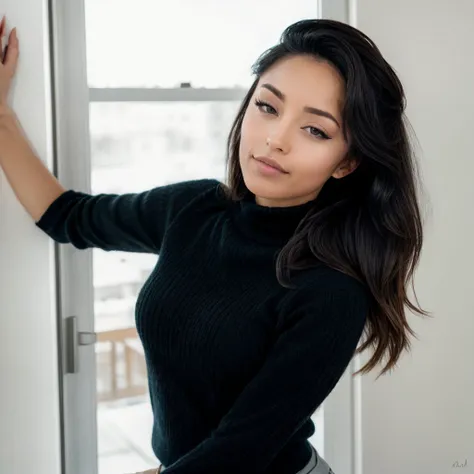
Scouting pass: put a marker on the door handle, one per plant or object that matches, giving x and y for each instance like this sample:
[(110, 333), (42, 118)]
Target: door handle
[(74, 339)]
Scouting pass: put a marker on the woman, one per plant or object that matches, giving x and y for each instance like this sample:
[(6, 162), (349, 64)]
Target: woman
[(265, 284)]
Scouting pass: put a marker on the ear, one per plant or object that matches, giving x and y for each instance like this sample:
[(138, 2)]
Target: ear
[(346, 167)]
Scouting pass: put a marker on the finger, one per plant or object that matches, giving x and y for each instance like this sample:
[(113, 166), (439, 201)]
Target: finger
[(11, 56), (2, 32)]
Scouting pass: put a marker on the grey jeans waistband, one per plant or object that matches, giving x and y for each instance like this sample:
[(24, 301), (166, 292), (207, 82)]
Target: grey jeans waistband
[(316, 465)]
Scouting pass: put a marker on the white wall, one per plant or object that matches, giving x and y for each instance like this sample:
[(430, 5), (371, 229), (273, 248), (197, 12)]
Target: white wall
[(29, 393), (420, 419)]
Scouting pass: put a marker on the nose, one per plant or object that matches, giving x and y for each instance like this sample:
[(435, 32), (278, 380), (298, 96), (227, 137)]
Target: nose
[(279, 139)]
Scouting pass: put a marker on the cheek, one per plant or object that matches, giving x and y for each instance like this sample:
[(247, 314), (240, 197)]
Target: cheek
[(247, 135), (316, 165)]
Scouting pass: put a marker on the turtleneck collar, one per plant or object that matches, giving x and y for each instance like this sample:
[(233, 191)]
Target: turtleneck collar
[(270, 225)]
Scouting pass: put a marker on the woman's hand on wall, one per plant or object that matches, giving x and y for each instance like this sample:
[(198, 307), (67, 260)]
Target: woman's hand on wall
[(9, 61)]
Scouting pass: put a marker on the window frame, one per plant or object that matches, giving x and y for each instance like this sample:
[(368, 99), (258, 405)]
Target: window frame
[(177, 94)]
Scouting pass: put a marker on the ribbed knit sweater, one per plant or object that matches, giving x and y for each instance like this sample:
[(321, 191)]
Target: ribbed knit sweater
[(237, 364)]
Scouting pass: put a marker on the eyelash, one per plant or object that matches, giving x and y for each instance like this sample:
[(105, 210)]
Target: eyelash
[(260, 104)]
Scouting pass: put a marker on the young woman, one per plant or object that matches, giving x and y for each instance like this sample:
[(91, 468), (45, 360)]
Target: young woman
[(264, 284)]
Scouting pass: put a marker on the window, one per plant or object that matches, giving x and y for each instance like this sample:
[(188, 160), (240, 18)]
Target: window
[(208, 43)]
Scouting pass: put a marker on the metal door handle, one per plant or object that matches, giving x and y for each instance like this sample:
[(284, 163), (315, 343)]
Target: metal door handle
[(74, 339)]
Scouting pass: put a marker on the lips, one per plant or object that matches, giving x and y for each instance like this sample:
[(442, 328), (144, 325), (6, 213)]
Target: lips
[(271, 162)]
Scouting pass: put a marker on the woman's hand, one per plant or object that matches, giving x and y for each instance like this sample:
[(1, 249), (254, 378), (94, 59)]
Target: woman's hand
[(8, 62)]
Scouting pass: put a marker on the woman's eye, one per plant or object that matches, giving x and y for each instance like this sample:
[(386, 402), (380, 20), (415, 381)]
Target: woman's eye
[(316, 132), (267, 108)]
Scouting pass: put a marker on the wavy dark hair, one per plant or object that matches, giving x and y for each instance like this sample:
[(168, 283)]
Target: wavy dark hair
[(368, 224)]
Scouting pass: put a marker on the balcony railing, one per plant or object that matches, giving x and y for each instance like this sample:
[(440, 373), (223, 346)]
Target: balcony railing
[(121, 368)]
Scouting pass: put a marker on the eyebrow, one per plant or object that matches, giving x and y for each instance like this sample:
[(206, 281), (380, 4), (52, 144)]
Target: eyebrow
[(311, 110)]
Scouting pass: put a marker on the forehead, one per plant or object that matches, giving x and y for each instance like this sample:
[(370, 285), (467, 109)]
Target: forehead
[(306, 80)]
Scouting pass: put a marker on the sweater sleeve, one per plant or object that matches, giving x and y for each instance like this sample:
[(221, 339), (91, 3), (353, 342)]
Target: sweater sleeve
[(316, 340), (133, 222)]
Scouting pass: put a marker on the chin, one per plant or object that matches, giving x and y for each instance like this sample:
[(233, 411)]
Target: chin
[(261, 187)]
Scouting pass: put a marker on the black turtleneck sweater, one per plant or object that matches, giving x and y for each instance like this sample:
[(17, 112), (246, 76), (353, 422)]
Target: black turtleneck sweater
[(237, 364)]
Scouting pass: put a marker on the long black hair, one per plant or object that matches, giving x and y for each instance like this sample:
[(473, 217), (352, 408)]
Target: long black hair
[(367, 224)]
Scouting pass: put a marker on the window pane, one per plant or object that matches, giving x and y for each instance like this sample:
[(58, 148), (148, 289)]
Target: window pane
[(134, 147), (156, 43)]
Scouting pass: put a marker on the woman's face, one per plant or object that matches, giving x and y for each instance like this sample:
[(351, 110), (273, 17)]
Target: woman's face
[(294, 118)]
